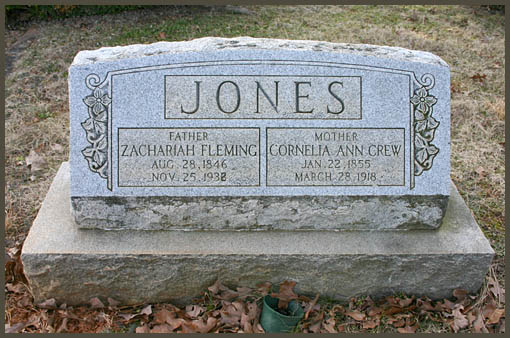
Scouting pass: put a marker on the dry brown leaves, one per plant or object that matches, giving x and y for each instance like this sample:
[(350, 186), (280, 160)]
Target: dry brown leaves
[(463, 313), (223, 309), (220, 309), (286, 294), (35, 161)]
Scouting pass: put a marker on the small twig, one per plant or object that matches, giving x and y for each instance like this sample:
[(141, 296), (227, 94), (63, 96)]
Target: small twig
[(312, 304)]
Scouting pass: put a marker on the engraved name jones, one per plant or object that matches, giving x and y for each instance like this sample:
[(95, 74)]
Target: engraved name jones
[(257, 97)]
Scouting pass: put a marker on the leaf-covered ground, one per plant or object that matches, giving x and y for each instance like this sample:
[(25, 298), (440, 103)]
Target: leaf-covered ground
[(221, 309), (469, 39)]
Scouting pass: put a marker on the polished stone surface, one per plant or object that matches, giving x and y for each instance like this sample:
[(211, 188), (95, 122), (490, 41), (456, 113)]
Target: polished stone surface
[(243, 119)]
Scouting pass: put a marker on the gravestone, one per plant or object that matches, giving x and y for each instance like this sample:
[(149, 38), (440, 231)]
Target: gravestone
[(241, 137), (248, 134)]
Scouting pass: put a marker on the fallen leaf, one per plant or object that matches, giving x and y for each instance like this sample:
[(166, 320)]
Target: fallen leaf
[(398, 323), (142, 329), (488, 309), (217, 287), (18, 288), (427, 306), (127, 316), (169, 317), (162, 35), (246, 324), (16, 328), (228, 295), (239, 306), (146, 310), (207, 326), (479, 325), (264, 288), (95, 303), (230, 314), (459, 319), (162, 315), (496, 290), (220, 291), (252, 310), (374, 311), (175, 323), (405, 302), (370, 324), (447, 305), (198, 325), (193, 311), (392, 310), (495, 316), (471, 318), (162, 328), (285, 294), (63, 326), (244, 291), (407, 329), (48, 304), (35, 161), (356, 315), (329, 325), (459, 293), (392, 300)]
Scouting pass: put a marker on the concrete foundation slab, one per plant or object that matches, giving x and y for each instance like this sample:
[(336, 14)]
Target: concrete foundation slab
[(73, 265)]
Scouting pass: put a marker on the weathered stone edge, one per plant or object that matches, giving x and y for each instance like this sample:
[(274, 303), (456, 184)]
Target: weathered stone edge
[(108, 54), (287, 213), (133, 279)]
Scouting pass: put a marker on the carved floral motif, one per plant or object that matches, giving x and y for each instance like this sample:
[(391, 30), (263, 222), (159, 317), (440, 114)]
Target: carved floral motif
[(96, 127), (424, 128)]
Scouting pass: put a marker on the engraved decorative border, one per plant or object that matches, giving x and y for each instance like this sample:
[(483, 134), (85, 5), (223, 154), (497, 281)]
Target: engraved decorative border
[(96, 126), (424, 125)]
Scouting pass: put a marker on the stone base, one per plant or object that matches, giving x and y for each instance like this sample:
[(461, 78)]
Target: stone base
[(73, 265), (291, 213)]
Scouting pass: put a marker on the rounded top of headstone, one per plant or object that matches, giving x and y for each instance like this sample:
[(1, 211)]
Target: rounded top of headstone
[(106, 54)]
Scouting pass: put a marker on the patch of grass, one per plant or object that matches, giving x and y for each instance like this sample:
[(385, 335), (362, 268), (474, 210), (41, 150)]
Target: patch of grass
[(189, 25), (44, 115), (17, 14)]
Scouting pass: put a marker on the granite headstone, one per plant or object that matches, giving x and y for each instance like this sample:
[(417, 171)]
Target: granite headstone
[(241, 134)]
